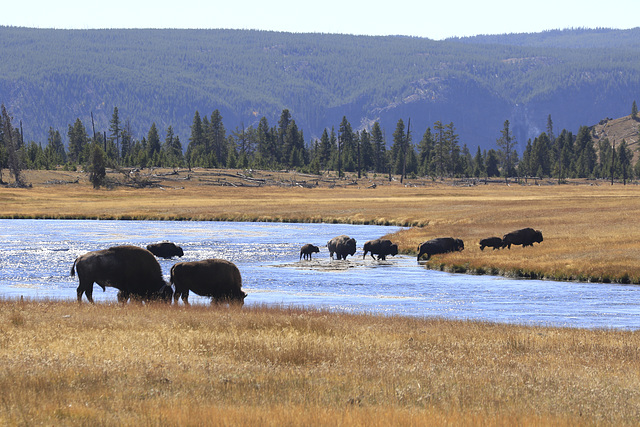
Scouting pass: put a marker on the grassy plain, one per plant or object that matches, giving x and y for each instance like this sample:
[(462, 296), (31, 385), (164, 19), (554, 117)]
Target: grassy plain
[(65, 363), (590, 228)]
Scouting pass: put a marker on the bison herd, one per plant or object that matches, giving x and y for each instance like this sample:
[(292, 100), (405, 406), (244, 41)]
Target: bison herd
[(136, 273)]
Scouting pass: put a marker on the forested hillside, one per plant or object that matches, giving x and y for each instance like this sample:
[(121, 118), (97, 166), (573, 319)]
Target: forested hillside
[(50, 78)]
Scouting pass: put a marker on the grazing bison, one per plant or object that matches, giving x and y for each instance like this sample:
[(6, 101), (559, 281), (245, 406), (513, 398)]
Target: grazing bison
[(341, 246), (440, 245), (491, 242), (132, 270), (165, 250), (307, 250), (215, 278), (381, 248), (524, 237)]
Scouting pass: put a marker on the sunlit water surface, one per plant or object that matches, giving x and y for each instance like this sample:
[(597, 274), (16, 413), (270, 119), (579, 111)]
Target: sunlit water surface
[(36, 258)]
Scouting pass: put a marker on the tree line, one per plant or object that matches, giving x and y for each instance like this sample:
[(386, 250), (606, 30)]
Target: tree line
[(437, 154)]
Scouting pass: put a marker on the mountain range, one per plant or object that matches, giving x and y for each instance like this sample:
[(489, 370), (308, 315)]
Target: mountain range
[(51, 77)]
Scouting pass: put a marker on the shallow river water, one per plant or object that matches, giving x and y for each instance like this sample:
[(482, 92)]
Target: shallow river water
[(36, 259)]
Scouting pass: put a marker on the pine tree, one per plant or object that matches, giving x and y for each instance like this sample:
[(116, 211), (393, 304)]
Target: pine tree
[(78, 141), (217, 137), (379, 148), (634, 110), (507, 144), (97, 164), (153, 145), (624, 160), (425, 153), (115, 129)]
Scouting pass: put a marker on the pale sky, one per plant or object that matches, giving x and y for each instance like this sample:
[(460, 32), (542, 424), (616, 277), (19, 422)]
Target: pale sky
[(420, 18)]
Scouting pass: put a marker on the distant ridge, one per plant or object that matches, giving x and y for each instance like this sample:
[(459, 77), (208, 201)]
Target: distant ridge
[(52, 77)]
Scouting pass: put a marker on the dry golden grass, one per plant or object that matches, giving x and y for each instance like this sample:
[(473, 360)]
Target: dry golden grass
[(590, 230), (65, 363)]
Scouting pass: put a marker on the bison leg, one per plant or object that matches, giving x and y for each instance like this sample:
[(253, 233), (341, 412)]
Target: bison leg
[(87, 289), (185, 297)]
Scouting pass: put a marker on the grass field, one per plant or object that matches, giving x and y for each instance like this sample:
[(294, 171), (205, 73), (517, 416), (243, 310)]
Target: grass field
[(65, 363)]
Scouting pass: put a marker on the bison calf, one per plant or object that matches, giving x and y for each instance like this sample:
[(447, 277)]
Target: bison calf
[(307, 250), (215, 278), (491, 242), (440, 245)]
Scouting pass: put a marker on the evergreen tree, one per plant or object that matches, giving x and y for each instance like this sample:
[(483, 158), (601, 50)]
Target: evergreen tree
[(54, 151), (153, 145), (478, 164), (266, 144), (491, 163), (196, 147), (624, 161), (126, 139), (367, 161), (441, 149), (324, 150), (97, 164), (634, 110), (115, 130), (379, 148), (173, 149), (585, 153), (217, 137), (347, 144), (399, 150), (426, 153), (507, 144), (283, 124), (78, 141)]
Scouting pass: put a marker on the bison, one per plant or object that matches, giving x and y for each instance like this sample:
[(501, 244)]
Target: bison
[(307, 250), (341, 246), (381, 248), (440, 245), (491, 242), (165, 250), (134, 271), (524, 237), (216, 278)]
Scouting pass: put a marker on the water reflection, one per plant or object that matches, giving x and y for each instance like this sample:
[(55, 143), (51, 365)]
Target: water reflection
[(37, 256)]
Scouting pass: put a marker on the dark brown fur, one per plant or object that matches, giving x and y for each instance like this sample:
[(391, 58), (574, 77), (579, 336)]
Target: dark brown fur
[(341, 246), (307, 250), (216, 278), (380, 247), (134, 271)]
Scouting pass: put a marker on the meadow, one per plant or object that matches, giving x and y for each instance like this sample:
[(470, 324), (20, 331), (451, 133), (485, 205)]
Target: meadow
[(65, 363)]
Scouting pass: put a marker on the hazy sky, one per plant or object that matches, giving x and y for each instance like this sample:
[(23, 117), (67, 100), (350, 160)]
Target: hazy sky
[(435, 20)]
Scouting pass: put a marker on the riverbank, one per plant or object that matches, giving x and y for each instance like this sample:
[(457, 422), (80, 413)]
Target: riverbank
[(588, 227), (81, 364)]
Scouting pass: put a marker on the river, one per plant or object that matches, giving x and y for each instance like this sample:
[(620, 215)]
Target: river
[(36, 259)]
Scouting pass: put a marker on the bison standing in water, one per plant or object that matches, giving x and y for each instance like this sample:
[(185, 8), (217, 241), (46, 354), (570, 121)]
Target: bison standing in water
[(134, 271), (215, 278), (341, 246), (491, 242), (165, 250), (524, 237), (440, 245), (380, 247), (307, 250)]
